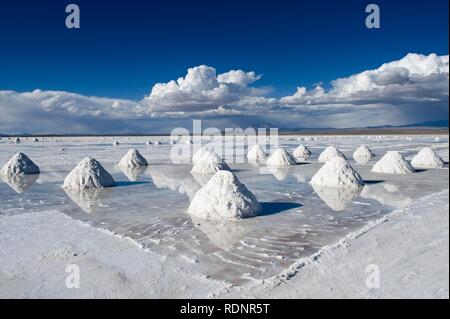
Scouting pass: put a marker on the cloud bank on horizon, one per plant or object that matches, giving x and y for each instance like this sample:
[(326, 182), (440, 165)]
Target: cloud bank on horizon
[(410, 90)]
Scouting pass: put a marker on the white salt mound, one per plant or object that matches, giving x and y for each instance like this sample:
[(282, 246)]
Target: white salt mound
[(281, 158), (157, 143), (19, 164), (363, 152), (17, 140), (302, 152), (208, 164), (437, 139), (256, 154), (172, 142), (202, 151), (89, 173), (393, 163), (133, 159), (337, 172), (148, 143), (329, 153), (116, 143), (427, 158), (224, 197)]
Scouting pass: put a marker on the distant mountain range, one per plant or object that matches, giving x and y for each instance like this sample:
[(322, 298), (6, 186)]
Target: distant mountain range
[(426, 126), (431, 124)]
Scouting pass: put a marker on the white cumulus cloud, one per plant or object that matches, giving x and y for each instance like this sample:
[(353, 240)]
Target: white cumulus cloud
[(412, 89)]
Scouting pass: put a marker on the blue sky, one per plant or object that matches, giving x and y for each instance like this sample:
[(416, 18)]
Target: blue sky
[(280, 51), (124, 47)]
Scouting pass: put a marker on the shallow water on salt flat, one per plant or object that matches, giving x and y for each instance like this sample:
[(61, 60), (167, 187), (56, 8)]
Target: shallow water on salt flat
[(150, 206)]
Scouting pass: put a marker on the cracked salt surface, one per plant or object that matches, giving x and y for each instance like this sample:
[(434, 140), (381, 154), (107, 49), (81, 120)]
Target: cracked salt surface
[(297, 219)]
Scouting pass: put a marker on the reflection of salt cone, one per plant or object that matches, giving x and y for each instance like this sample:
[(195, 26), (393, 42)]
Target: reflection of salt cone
[(132, 173), (202, 178), (223, 234), (89, 200), (385, 194), (361, 159), (336, 198), (175, 178), (20, 183), (280, 173)]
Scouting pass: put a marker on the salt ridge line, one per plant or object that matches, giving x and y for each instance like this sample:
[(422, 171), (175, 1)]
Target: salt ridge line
[(298, 265)]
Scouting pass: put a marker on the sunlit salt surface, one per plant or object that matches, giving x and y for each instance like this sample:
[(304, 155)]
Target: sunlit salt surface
[(149, 205)]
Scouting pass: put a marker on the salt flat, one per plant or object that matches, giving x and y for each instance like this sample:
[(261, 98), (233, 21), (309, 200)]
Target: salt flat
[(137, 239)]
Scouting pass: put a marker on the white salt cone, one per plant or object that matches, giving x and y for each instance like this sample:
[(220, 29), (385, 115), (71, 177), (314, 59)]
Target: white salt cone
[(133, 159), (393, 163), (256, 154), (281, 158), (329, 153), (337, 172), (19, 164), (224, 197), (427, 158), (302, 152), (89, 173)]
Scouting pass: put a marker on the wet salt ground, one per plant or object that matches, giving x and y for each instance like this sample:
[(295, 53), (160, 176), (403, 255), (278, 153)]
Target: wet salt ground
[(150, 206)]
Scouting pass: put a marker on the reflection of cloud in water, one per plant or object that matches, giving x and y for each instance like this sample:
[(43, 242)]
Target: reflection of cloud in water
[(386, 194), (224, 234), (132, 173), (20, 183), (176, 178), (48, 177), (302, 176), (89, 200), (338, 199)]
